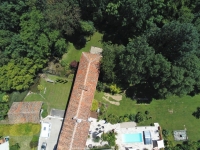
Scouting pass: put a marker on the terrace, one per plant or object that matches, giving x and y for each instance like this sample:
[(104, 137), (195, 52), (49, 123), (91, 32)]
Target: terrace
[(151, 138)]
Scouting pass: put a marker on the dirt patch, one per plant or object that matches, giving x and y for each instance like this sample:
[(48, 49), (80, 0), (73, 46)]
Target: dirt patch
[(116, 97), (112, 102), (170, 111)]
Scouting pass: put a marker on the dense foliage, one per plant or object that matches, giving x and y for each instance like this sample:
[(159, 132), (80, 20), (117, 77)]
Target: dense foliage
[(151, 47), (109, 137)]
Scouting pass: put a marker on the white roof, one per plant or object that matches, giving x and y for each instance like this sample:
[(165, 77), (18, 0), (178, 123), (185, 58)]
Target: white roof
[(45, 130), (156, 124), (160, 144), (4, 146)]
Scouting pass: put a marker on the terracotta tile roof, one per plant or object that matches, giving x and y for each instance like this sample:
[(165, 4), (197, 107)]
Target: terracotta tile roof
[(25, 107), (73, 134)]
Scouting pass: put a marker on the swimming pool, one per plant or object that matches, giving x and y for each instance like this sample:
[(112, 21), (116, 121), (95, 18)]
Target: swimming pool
[(132, 138)]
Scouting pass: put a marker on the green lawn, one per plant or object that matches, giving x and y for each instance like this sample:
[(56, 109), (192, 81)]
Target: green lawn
[(20, 133), (183, 107), (74, 54), (56, 95)]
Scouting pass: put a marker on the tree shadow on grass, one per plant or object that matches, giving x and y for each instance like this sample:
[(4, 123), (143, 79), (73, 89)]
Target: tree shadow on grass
[(196, 113), (141, 93), (79, 41)]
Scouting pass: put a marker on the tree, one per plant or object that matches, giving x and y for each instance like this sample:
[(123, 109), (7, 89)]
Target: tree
[(18, 74), (74, 64), (10, 12), (185, 15), (114, 89), (5, 98), (63, 15), (109, 63), (135, 60), (174, 40), (197, 113), (139, 117), (40, 87), (31, 33), (38, 40), (87, 27), (60, 47)]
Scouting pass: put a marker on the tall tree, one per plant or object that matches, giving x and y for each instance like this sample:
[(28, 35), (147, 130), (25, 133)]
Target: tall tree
[(174, 40), (135, 60), (63, 15), (10, 13), (109, 63), (18, 74)]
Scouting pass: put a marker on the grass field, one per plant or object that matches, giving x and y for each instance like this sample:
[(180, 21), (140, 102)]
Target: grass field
[(56, 95), (20, 133), (74, 54), (183, 107)]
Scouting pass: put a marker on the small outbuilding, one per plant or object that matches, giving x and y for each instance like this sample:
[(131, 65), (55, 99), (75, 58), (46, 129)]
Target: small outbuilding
[(24, 112), (180, 135)]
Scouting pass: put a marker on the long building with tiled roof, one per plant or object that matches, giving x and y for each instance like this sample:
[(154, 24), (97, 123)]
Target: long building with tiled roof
[(74, 132)]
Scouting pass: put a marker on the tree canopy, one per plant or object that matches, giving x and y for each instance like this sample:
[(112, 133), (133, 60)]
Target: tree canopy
[(149, 45)]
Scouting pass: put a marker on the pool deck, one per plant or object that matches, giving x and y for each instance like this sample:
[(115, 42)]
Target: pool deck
[(139, 145), (97, 128)]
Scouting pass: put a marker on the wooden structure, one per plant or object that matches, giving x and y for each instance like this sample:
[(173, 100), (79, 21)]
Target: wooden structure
[(24, 112)]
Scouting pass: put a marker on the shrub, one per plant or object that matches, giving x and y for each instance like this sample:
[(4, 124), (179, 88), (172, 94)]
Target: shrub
[(45, 112), (71, 76), (139, 117), (64, 63), (101, 147), (113, 119), (96, 139), (95, 105), (146, 112), (40, 87), (121, 119), (126, 119), (100, 86), (2, 94), (165, 132), (114, 89), (132, 117), (34, 141), (74, 64), (15, 147), (109, 137)]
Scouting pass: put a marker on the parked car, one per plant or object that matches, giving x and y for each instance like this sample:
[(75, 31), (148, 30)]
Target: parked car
[(44, 146)]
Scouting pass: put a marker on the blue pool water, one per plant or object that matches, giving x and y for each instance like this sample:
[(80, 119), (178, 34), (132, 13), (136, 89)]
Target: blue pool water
[(132, 138)]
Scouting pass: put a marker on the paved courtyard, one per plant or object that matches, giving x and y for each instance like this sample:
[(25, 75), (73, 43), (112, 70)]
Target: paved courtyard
[(97, 129), (54, 132)]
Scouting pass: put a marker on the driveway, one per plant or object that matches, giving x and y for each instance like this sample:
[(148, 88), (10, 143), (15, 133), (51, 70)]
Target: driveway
[(54, 132)]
